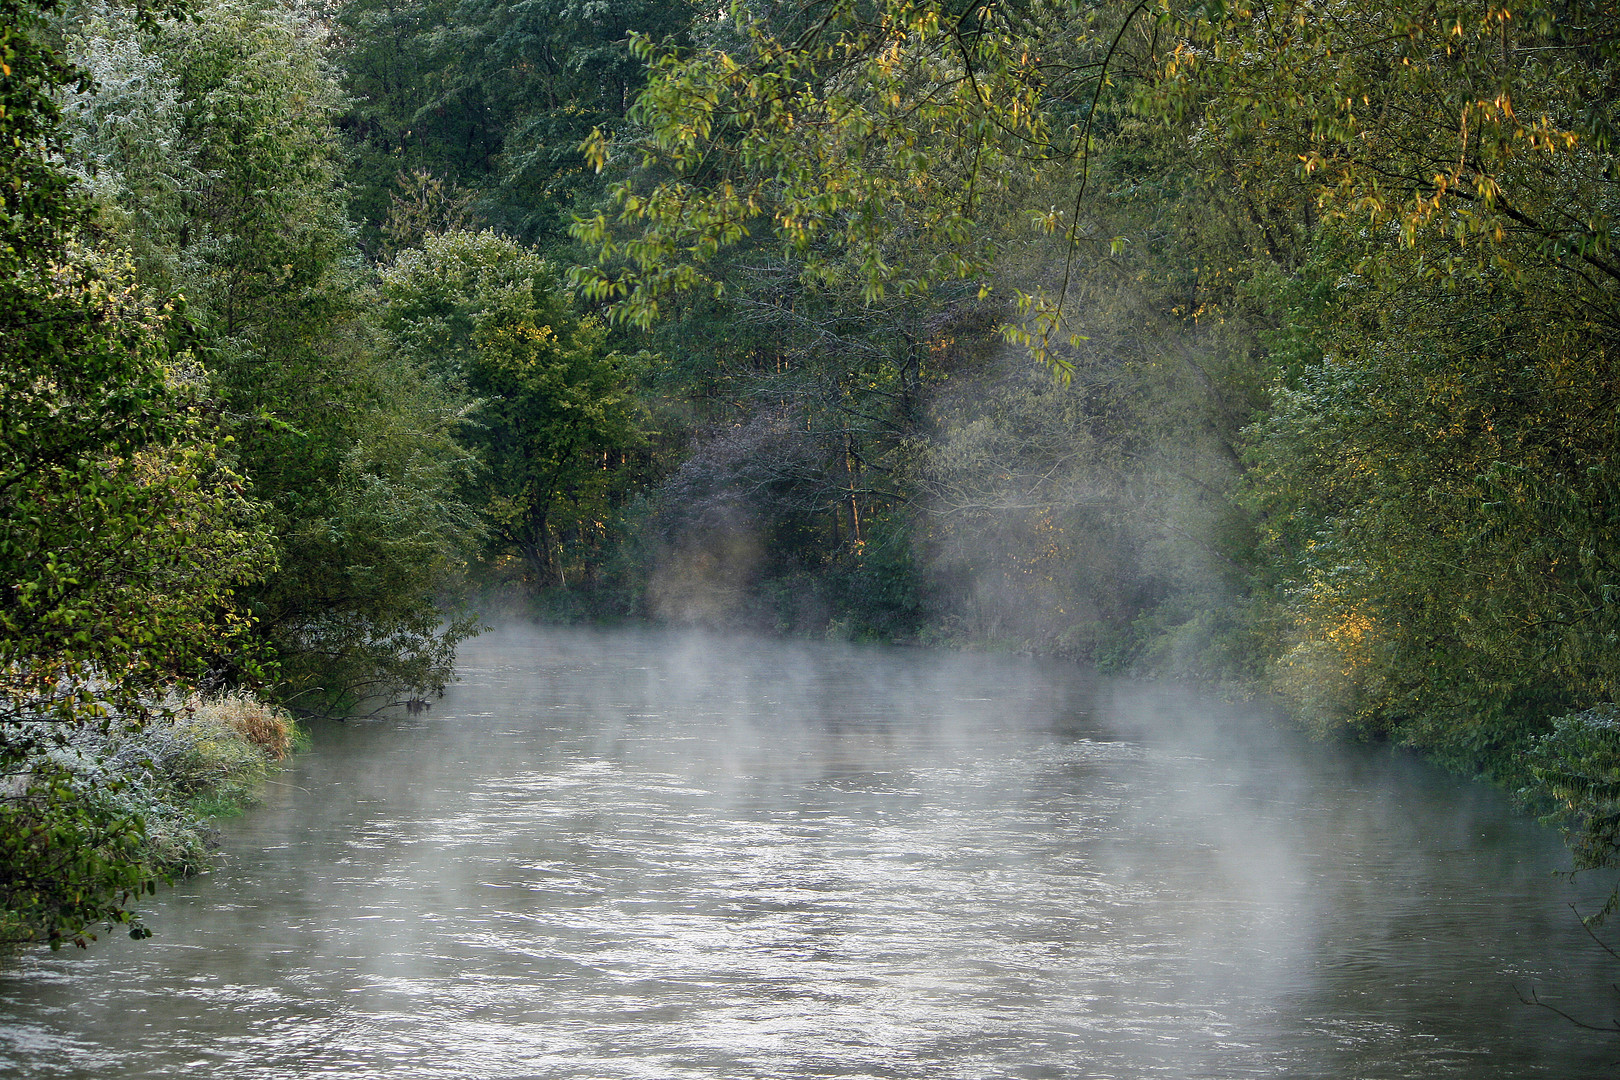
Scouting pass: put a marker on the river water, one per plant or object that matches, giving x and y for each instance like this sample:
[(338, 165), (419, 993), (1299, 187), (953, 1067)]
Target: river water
[(649, 855)]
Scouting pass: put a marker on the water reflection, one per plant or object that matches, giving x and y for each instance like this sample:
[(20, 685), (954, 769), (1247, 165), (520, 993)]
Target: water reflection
[(647, 855)]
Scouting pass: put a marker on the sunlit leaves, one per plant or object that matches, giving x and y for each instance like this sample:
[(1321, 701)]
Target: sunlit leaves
[(865, 144), (1482, 125)]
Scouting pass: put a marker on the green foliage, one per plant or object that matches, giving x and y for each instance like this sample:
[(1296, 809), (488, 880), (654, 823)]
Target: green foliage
[(123, 532), (491, 97), (427, 206), (373, 559), (34, 190), (880, 593), (123, 529), (1489, 125), (1426, 480), (552, 419), (71, 855), (264, 227), (865, 144), (353, 456), (124, 143), (1435, 498), (1577, 766)]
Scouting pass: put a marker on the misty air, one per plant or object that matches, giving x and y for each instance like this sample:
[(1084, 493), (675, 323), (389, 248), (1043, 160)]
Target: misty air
[(901, 538)]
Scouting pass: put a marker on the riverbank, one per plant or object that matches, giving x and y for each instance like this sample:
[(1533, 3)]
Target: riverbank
[(114, 811)]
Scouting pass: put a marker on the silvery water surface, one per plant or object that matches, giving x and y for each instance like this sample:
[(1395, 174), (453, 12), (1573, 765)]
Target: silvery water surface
[(639, 854)]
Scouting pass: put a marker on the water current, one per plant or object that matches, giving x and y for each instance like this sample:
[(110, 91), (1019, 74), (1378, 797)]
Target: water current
[(652, 855)]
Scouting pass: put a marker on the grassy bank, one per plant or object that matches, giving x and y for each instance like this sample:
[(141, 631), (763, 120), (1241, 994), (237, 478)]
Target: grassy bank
[(111, 812)]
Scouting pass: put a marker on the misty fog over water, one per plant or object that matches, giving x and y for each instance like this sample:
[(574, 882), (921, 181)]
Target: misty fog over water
[(646, 854)]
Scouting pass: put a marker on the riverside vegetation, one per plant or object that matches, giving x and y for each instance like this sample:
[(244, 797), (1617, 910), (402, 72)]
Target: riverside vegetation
[(1267, 344), (132, 801)]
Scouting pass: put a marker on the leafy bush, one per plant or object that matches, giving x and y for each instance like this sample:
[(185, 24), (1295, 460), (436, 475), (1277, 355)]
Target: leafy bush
[(93, 823), (1577, 766), (71, 855)]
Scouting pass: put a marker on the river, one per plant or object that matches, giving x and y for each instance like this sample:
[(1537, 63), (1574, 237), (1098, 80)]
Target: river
[(653, 855)]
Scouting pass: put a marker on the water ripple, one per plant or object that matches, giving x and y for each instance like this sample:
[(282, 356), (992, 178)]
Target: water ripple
[(643, 856)]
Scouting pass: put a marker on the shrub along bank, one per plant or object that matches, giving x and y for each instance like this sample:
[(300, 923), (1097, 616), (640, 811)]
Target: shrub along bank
[(126, 807)]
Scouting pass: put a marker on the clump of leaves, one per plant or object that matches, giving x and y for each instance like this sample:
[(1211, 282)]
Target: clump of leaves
[(1577, 765)]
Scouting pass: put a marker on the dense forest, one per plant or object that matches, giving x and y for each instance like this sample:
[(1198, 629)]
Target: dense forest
[(1260, 344)]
